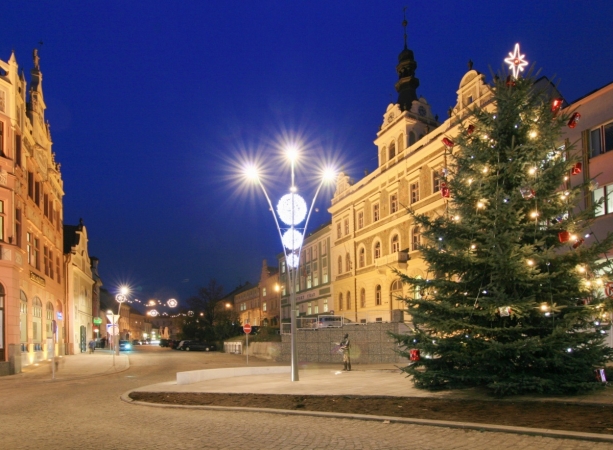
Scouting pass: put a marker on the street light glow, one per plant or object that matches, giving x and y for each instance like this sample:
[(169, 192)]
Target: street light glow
[(292, 153), (251, 172)]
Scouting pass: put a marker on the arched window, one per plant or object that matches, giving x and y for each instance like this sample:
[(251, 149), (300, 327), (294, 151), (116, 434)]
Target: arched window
[(362, 256), (378, 295), (363, 298), (395, 244), (377, 251), (23, 321), (340, 265), (348, 300), (401, 143), (49, 319), (383, 155), (347, 262), (340, 301), (411, 138), (392, 151), (37, 323), (416, 239)]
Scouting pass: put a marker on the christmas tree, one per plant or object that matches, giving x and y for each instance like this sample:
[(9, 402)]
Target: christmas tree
[(511, 301)]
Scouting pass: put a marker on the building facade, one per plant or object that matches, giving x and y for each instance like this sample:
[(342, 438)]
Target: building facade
[(270, 296), (32, 299), (247, 305), (80, 285), (373, 236)]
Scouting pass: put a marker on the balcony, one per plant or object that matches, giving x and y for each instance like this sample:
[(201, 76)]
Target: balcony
[(392, 259)]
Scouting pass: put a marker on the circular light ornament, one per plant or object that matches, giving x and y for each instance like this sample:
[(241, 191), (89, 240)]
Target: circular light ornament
[(120, 298), (172, 303), (292, 239), (284, 209), (190, 313), (153, 313), (151, 302), (292, 260)]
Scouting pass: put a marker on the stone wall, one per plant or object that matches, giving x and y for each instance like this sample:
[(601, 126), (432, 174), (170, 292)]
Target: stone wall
[(370, 344)]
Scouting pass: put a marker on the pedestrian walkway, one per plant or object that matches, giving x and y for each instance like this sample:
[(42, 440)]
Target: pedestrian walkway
[(82, 365)]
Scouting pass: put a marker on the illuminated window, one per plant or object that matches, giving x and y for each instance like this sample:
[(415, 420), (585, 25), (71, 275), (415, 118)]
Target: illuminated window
[(377, 251), (414, 192), (601, 140), (395, 244), (378, 295), (360, 220), (375, 212), (393, 203), (606, 207), (348, 262), (436, 181), (416, 239), (362, 257)]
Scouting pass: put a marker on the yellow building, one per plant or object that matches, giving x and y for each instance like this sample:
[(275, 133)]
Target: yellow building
[(31, 192), (372, 233)]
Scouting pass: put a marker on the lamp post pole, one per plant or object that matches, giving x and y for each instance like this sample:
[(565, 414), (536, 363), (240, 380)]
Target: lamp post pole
[(121, 297), (292, 214)]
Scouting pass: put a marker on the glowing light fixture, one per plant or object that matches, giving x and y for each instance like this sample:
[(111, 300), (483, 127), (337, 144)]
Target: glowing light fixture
[(284, 209), (292, 239), (516, 61)]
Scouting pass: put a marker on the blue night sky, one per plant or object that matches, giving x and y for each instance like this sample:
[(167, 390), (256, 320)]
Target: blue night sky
[(155, 105)]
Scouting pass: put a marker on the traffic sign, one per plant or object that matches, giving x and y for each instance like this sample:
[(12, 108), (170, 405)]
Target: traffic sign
[(247, 328)]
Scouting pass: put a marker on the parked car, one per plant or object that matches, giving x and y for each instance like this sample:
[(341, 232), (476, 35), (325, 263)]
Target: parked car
[(136, 342), (125, 345), (195, 346)]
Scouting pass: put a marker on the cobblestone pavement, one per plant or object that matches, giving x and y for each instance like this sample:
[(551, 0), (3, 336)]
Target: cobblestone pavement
[(39, 413)]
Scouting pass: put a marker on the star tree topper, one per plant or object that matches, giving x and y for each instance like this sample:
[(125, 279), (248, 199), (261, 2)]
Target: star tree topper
[(516, 61)]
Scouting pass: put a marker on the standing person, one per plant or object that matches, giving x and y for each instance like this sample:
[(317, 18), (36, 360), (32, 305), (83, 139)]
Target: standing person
[(345, 345), (92, 346)]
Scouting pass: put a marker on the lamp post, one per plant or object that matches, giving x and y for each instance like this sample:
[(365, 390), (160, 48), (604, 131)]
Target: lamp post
[(292, 210), (121, 297)]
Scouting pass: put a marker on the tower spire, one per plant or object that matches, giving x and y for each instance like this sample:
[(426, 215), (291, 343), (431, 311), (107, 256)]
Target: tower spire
[(404, 25), (407, 83)]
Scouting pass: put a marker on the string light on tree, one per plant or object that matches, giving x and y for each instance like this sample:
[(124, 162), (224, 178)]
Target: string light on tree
[(516, 61)]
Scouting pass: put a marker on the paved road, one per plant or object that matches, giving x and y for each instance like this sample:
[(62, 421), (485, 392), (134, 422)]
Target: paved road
[(87, 413)]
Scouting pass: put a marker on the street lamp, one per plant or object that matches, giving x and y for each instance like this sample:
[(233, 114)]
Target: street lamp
[(292, 211), (121, 297)]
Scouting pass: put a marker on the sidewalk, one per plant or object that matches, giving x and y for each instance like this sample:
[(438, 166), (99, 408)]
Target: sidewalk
[(69, 367)]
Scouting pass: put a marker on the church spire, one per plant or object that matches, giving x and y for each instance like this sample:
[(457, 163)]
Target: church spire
[(407, 83)]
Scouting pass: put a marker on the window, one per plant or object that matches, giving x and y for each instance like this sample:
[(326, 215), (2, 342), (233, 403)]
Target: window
[(37, 319), (414, 191), (49, 319), (377, 251), (46, 205), (46, 260), (347, 262), (396, 288), (18, 150), (23, 315), (436, 181), (395, 244), (346, 223), (393, 203), (50, 264), (264, 306), (363, 298), (348, 300), (401, 143), (601, 140), (18, 227), (316, 308), (340, 302), (340, 265), (392, 152), (57, 269), (263, 292), (324, 270), (2, 138), (606, 207), (309, 308), (29, 247), (323, 247), (31, 185), (361, 258), (315, 274), (360, 220), (378, 295), (282, 266), (325, 305), (37, 253), (375, 212), (416, 239), (37, 186), (1, 220), (338, 231)]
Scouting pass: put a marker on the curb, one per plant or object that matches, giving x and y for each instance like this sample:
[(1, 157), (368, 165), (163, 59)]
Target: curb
[(557, 434)]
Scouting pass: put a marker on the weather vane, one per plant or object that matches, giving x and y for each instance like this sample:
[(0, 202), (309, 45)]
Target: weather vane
[(516, 61)]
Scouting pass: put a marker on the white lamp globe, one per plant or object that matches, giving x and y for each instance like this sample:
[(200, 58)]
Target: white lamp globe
[(284, 209), (292, 239), (153, 313), (292, 260)]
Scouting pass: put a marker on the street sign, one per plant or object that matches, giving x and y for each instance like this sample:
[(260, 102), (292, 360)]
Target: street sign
[(97, 320), (112, 330), (247, 328), (112, 318)]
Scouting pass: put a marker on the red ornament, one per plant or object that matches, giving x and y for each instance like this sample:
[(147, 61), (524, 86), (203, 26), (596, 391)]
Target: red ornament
[(576, 170), (556, 104), (414, 354), (510, 81), (574, 119), (578, 243), (470, 129), (444, 190), (564, 236), (448, 143)]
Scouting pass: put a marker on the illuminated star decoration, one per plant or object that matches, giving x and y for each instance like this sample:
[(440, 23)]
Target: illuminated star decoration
[(516, 62)]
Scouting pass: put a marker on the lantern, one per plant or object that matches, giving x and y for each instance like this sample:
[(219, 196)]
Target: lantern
[(574, 119)]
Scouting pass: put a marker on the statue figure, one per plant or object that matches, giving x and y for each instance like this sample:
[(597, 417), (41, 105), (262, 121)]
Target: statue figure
[(36, 59)]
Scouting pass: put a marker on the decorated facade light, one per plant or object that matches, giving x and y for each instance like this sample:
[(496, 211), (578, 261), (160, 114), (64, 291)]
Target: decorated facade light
[(574, 120), (172, 303), (153, 313)]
